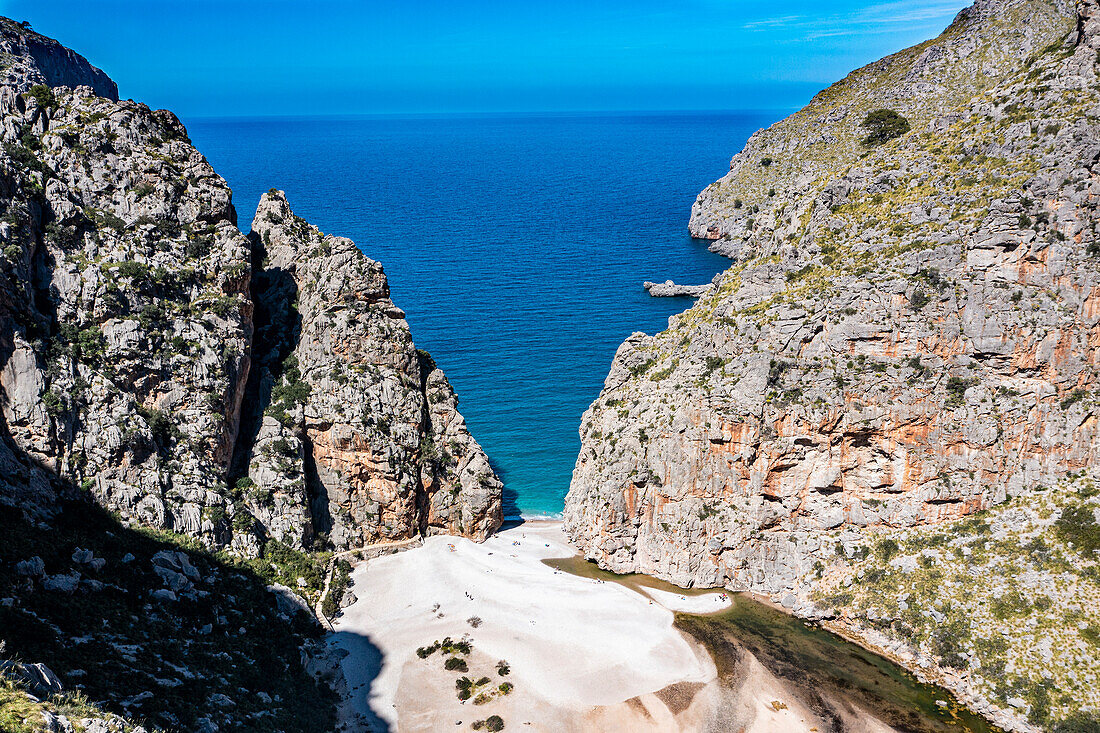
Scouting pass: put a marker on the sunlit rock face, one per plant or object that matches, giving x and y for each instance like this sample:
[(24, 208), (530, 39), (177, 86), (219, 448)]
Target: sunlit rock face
[(908, 334)]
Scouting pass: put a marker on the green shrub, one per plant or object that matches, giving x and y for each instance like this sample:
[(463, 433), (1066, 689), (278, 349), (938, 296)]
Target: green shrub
[(161, 427), (1009, 604), (143, 189), (639, 369), (661, 374), (1073, 397), (494, 723), (886, 549), (54, 405), (341, 578), (454, 663), (290, 393), (1078, 525), (282, 447), (883, 125), (133, 270), (956, 389), (455, 647), (426, 651), (243, 521), (1080, 722), (714, 363), (43, 95)]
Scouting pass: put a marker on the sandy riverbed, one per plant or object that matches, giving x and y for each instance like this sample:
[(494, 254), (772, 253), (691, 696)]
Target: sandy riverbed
[(583, 654)]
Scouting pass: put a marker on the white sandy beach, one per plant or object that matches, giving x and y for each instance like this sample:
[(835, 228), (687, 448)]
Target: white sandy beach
[(571, 642), (584, 655)]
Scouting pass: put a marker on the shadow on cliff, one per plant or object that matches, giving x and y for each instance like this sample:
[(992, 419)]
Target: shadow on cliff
[(277, 330), (226, 637), (509, 505), (361, 669)]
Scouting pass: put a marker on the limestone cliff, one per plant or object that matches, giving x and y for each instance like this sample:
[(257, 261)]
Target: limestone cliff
[(128, 333), (908, 335), (352, 407)]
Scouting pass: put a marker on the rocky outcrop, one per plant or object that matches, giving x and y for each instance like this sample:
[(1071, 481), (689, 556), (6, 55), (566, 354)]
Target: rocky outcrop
[(923, 348), (909, 334), (128, 336), (28, 58), (357, 421), (669, 289)]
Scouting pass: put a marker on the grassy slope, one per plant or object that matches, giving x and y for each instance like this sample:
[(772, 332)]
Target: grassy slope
[(826, 151)]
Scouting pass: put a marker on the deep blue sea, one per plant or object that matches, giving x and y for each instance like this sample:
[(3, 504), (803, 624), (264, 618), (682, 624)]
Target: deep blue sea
[(516, 245)]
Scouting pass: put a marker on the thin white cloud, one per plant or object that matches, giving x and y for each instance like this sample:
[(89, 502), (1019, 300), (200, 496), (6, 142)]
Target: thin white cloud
[(879, 18), (781, 21)]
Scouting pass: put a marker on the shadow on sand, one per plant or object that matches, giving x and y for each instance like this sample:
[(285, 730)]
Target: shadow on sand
[(361, 679)]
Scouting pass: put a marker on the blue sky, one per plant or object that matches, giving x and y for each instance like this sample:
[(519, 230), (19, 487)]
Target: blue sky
[(294, 57)]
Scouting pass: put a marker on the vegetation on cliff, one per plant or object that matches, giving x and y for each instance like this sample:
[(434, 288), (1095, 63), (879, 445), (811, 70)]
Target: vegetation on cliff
[(1009, 596), (173, 642)]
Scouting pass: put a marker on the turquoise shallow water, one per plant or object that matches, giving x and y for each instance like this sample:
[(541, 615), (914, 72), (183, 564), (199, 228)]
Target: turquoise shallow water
[(516, 245)]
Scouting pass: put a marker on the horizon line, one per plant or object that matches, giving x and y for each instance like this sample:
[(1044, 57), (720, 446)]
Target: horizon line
[(488, 114)]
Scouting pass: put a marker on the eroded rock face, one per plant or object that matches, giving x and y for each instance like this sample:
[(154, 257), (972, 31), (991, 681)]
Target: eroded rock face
[(126, 311), (127, 339), (357, 420), (916, 340)]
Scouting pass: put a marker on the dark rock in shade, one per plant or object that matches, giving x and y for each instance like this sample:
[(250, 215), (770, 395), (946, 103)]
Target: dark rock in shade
[(39, 678), (32, 568)]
